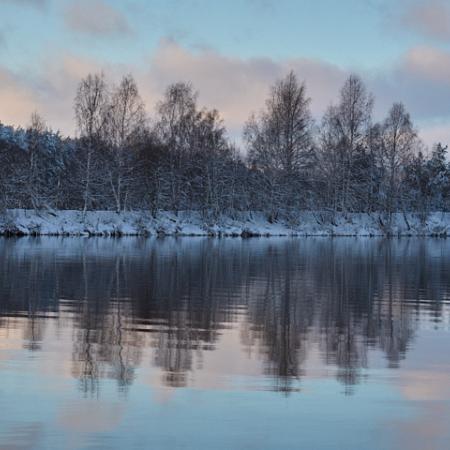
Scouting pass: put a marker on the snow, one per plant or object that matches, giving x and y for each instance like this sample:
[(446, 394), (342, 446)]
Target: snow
[(192, 223)]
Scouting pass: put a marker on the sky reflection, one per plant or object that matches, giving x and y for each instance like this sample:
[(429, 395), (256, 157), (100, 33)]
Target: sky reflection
[(270, 343)]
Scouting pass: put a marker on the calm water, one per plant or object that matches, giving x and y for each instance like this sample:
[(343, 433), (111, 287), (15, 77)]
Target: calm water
[(224, 344)]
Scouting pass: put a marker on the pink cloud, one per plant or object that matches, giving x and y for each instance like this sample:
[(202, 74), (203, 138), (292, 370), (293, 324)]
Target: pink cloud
[(435, 132), (18, 100), (430, 18), (430, 63), (235, 86), (238, 86), (421, 80)]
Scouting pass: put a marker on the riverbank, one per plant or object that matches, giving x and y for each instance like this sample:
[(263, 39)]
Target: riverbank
[(107, 223)]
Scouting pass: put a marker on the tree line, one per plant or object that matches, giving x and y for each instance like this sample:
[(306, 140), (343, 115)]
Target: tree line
[(183, 159)]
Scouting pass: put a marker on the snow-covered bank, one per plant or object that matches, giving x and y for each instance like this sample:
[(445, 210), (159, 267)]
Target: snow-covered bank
[(107, 223)]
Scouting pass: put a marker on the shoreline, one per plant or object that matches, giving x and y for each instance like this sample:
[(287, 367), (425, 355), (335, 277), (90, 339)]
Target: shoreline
[(19, 222)]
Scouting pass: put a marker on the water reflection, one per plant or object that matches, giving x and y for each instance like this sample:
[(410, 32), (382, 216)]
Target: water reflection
[(131, 303)]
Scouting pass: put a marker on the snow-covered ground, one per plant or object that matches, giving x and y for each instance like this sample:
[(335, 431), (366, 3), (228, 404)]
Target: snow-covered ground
[(107, 223)]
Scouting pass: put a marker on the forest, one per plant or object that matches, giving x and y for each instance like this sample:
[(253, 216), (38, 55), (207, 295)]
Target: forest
[(182, 159)]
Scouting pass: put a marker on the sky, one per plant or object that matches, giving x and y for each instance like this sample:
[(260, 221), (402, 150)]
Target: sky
[(231, 51)]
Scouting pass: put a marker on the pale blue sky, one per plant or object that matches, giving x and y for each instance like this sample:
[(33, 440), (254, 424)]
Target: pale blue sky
[(348, 32), (401, 47)]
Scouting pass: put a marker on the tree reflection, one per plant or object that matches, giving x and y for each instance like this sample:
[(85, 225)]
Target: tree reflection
[(174, 297)]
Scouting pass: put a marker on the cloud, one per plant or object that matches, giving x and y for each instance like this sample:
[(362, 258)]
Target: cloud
[(235, 86), (429, 63), (18, 100), (436, 132), (56, 88), (421, 80), (50, 91), (430, 18), (97, 18)]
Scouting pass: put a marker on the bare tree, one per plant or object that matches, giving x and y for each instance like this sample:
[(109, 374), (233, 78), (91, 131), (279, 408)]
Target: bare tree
[(329, 160), (280, 137), (279, 140), (176, 116), (90, 106), (125, 118), (350, 121), (34, 173), (213, 153), (399, 139)]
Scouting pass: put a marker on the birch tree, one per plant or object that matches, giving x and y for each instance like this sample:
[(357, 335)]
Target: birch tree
[(351, 120), (399, 139), (176, 115), (34, 173), (90, 106), (125, 120), (279, 139)]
